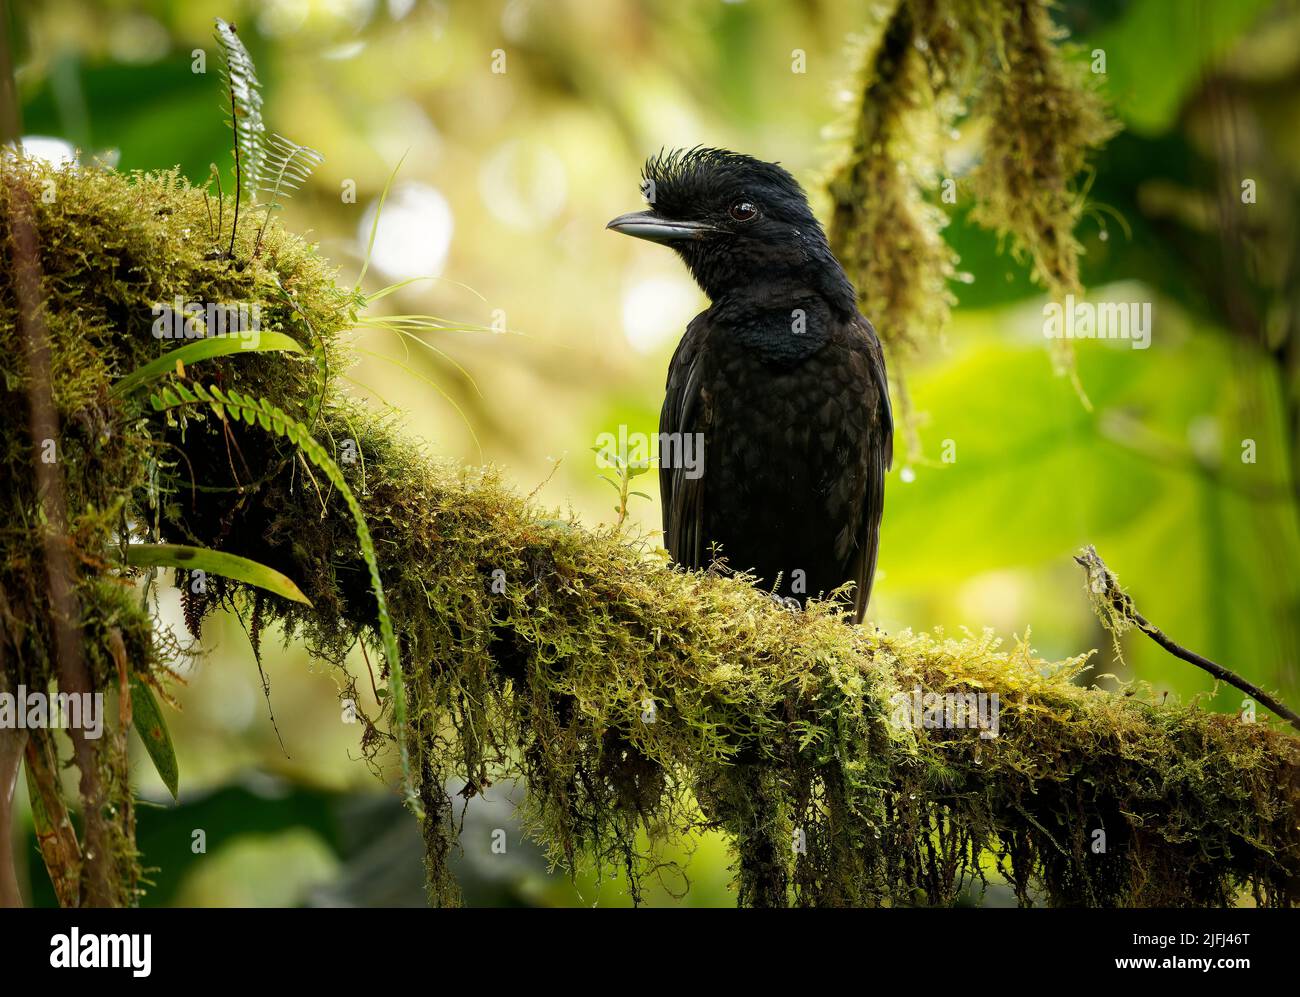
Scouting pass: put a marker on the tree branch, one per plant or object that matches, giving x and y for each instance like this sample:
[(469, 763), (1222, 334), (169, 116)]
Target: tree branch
[(640, 704), (1118, 613)]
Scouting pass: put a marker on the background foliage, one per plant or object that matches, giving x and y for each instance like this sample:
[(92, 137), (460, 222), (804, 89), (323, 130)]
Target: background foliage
[(504, 190)]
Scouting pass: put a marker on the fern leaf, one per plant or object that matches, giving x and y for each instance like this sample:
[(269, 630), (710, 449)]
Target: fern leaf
[(232, 403), (286, 167), (244, 106)]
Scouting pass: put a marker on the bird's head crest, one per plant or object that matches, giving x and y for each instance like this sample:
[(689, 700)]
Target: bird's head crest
[(735, 221)]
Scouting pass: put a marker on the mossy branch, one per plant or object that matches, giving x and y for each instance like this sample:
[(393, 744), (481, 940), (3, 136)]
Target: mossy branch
[(273, 419), (638, 703)]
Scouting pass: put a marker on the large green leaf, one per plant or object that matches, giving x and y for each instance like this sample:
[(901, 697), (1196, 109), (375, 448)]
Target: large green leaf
[(202, 349), (1207, 544), (215, 562), (1148, 80)]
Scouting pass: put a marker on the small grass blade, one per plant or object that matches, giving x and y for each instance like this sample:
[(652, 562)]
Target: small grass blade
[(374, 227), (384, 292)]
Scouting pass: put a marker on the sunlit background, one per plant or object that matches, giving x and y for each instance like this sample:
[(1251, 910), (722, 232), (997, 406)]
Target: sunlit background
[(519, 128)]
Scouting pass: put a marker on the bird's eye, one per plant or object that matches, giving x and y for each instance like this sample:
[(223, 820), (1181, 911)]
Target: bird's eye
[(743, 211)]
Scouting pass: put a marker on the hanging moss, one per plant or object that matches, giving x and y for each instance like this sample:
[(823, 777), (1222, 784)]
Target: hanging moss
[(928, 70), (637, 702)]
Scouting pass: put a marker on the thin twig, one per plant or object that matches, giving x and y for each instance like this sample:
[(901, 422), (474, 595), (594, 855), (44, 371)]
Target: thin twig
[(207, 203), (221, 208), (1118, 613), (373, 687)]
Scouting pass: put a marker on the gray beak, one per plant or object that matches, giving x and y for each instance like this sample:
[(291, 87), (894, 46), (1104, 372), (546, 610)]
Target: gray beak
[(648, 225)]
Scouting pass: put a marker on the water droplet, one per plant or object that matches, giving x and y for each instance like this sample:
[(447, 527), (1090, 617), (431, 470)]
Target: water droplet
[(1103, 235), (965, 276), (907, 475)]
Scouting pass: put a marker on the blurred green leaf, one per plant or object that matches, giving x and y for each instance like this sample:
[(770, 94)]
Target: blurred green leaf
[(147, 718), (1159, 51)]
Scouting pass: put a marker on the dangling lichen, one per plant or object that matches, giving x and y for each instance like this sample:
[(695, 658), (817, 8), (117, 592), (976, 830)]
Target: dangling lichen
[(927, 69), (1113, 606), (1049, 117), (884, 229)]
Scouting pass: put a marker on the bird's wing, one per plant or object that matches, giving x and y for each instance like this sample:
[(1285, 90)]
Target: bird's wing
[(878, 456), (685, 412)]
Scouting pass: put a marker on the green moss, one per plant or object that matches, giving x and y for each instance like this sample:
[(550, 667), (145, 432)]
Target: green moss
[(999, 73), (108, 250), (636, 701)]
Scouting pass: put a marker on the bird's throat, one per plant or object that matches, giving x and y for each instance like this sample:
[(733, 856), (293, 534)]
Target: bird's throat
[(780, 326)]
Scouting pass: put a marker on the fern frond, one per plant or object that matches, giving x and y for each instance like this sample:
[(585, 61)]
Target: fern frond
[(244, 106), (230, 406), (286, 167)]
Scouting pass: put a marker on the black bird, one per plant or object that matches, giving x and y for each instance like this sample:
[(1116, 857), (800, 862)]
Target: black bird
[(782, 376)]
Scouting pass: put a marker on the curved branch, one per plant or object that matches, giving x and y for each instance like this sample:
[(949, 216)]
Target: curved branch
[(1116, 608)]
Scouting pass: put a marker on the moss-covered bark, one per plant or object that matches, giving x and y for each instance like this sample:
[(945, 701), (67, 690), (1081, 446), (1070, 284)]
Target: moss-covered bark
[(637, 702)]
